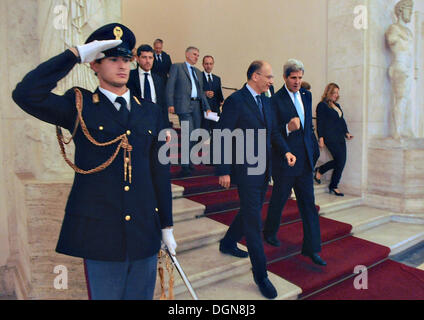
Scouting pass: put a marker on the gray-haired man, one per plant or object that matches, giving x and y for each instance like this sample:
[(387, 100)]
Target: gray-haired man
[(292, 108), (185, 95)]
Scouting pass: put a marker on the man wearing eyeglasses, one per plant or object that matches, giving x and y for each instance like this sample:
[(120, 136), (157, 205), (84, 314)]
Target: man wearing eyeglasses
[(248, 110)]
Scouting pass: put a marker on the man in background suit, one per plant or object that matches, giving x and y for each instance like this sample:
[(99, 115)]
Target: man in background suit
[(213, 90), (185, 96), (292, 109), (146, 84), (249, 110), (162, 63)]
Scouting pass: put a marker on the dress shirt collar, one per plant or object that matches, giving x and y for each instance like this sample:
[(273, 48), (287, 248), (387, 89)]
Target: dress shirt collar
[(252, 91), (208, 74), (112, 97), (142, 72)]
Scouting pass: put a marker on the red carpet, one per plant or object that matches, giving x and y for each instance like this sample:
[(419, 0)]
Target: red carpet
[(342, 256), (200, 170), (291, 237), (222, 200), (199, 184), (390, 280), (290, 213), (386, 280)]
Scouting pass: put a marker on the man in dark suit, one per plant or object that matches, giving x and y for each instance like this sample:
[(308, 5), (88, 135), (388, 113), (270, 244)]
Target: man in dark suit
[(153, 89), (162, 63), (247, 111), (292, 110), (213, 90), (185, 97), (119, 207)]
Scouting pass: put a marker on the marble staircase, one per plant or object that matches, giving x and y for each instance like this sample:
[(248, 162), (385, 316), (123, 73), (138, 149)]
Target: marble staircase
[(216, 276)]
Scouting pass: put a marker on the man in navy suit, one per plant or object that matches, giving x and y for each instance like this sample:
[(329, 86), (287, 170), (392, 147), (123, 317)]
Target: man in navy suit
[(292, 110), (162, 63), (212, 85), (116, 214), (153, 89), (248, 111)]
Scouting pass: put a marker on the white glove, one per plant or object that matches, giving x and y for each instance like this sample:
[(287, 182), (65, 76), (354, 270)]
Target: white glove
[(93, 50), (168, 240)]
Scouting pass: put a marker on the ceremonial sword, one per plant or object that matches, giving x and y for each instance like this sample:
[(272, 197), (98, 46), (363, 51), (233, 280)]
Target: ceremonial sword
[(182, 274)]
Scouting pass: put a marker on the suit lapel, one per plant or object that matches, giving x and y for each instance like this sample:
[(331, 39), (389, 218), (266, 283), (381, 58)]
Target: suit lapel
[(289, 102), (187, 72), (109, 107), (138, 111), (251, 103), (306, 108), (267, 111), (136, 75)]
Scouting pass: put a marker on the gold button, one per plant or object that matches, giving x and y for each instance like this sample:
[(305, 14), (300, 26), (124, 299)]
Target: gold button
[(150, 131), (128, 132), (128, 218), (127, 188), (100, 127), (156, 209)]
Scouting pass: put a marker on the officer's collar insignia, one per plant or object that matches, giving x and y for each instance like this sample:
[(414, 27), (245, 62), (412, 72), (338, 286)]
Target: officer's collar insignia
[(96, 98), (136, 100), (118, 33)]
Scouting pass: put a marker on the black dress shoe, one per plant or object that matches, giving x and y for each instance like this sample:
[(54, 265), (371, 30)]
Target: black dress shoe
[(315, 176), (339, 194), (317, 259), (266, 288), (233, 251), (272, 240)]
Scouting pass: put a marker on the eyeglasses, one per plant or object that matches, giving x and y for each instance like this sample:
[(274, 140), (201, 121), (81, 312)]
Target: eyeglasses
[(270, 77)]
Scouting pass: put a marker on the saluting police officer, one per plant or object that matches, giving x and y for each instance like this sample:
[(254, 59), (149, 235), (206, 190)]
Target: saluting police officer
[(120, 204)]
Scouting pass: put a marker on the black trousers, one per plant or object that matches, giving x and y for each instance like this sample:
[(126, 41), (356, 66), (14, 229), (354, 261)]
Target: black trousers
[(248, 223), (305, 198), (338, 152)]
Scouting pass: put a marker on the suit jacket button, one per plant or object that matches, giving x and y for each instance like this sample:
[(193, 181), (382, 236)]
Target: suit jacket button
[(156, 209), (101, 128), (128, 132), (150, 131), (128, 218), (127, 188)]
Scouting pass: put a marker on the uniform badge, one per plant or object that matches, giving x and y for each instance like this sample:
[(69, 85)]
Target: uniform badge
[(96, 98), (118, 33), (136, 100)]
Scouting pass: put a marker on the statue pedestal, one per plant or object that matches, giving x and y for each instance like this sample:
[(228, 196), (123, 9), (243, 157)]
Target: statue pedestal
[(396, 175)]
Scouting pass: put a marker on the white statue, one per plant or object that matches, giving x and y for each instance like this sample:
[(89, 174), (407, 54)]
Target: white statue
[(401, 42)]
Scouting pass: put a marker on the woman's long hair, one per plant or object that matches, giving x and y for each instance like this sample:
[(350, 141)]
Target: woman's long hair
[(328, 90)]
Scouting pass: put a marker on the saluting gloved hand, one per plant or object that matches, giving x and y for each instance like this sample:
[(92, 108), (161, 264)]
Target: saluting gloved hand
[(93, 50), (168, 240)]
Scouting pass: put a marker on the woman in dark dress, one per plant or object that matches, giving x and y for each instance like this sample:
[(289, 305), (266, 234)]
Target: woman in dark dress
[(332, 132)]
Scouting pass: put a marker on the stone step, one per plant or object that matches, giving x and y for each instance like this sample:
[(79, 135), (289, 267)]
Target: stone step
[(398, 236), (320, 188), (330, 203), (185, 209), (192, 234), (206, 265), (243, 287), (361, 217), (177, 191)]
